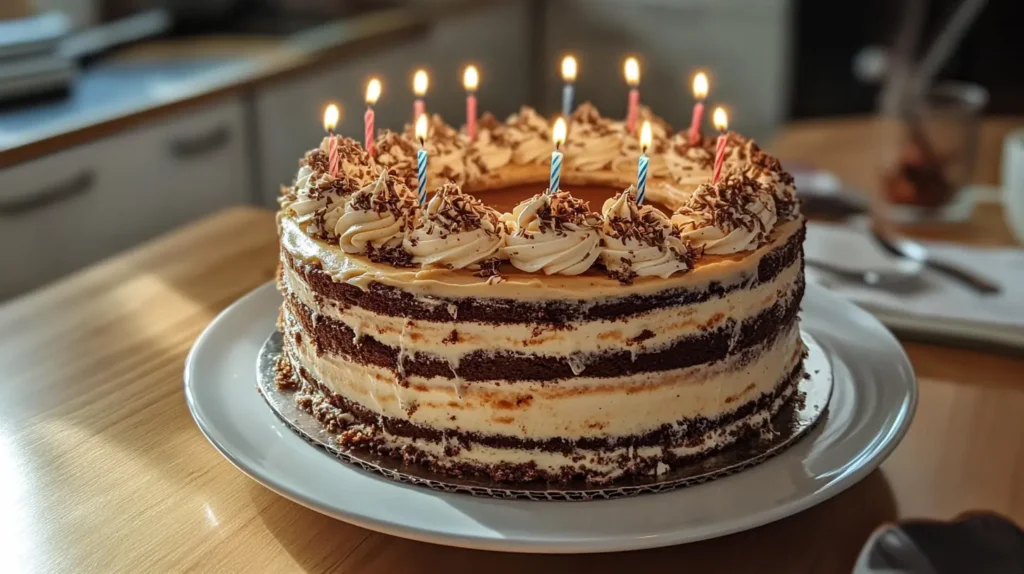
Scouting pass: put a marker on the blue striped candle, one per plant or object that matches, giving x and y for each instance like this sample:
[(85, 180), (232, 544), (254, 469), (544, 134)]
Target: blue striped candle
[(569, 90), (641, 177), (421, 174), (641, 169), (558, 133), (556, 172)]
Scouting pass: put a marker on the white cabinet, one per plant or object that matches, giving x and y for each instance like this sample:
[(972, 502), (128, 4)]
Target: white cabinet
[(69, 209), (494, 38)]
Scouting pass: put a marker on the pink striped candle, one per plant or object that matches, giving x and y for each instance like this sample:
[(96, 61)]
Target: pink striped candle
[(700, 91), (632, 72), (471, 80), (722, 123), (373, 89)]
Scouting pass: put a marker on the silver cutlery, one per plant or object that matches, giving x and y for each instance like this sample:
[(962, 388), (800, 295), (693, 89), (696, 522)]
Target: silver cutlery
[(913, 251), (887, 279)]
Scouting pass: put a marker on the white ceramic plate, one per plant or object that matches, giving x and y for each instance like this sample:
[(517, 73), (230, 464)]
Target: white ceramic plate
[(873, 399)]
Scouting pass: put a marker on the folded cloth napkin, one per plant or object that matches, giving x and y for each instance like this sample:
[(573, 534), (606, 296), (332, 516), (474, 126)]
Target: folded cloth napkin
[(934, 306)]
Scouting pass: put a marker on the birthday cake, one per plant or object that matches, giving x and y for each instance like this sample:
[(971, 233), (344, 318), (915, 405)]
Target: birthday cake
[(501, 330)]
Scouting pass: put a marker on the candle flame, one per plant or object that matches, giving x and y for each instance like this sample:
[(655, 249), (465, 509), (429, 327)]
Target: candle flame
[(421, 128), (645, 136), (373, 90), (700, 85), (471, 78), (632, 71), (331, 116), (420, 81), (569, 69), (558, 132), (720, 119)]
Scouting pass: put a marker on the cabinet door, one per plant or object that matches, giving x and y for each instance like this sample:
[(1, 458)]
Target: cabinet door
[(203, 162), (67, 210)]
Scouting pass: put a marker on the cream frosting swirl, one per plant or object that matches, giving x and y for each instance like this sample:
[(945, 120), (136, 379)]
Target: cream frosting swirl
[(553, 233), (317, 196), (527, 133), (489, 151), (455, 230), (640, 241), (734, 215), (593, 142), (375, 220)]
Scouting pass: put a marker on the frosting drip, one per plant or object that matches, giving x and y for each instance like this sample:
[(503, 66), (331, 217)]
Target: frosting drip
[(456, 230), (734, 215), (553, 233), (640, 241), (375, 221)]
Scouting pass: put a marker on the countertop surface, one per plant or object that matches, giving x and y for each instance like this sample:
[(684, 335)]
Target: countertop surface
[(160, 76), (103, 469)]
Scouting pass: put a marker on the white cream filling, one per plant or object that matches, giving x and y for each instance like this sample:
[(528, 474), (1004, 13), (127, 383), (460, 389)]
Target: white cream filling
[(605, 464), (659, 327), (575, 407)]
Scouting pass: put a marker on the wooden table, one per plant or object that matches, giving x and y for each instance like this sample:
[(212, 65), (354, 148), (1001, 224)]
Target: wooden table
[(102, 468)]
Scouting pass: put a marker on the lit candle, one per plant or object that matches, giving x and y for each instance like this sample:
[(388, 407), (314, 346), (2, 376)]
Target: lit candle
[(641, 168), (331, 116), (721, 121), (421, 158), (471, 79), (700, 91), (372, 95), (568, 91), (558, 137), (420, 82), (632, 70)]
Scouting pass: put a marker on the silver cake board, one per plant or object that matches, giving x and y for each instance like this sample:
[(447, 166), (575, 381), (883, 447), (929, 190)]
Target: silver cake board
[(796, 418)]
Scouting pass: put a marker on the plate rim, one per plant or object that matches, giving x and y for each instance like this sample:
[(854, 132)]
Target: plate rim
[(564, 545)]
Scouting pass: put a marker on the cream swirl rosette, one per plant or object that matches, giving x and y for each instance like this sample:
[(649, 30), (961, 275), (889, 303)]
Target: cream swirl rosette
[(629, 147), (736, 214), (593, 142), (489, 151), (447, 149), (455, 230), (553, 233), (316, 196), (528, 134), (375, 221), (398, 154), (640, 241)]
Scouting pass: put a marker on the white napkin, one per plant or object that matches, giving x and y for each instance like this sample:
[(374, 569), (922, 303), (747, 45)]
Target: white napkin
[(938, 306)]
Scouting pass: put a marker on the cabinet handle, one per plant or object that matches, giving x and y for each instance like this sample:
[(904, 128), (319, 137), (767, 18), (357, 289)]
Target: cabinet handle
[(201, 144), (79, 184)]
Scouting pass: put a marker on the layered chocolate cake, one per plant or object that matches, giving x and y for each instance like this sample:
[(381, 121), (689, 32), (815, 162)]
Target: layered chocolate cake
[(513, 333)]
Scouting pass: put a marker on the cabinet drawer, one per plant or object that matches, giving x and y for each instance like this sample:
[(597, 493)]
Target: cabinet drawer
[(67, 210)]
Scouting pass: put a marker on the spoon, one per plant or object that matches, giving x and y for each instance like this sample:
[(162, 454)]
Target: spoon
[(913, 251), (896, 279)]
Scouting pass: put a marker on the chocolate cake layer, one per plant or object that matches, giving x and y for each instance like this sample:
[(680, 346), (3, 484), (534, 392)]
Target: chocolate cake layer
[(680, 432), (331, 336), (392, 301)]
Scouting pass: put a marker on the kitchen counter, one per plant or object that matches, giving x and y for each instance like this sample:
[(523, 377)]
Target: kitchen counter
[(150, 82), (104, 470)]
